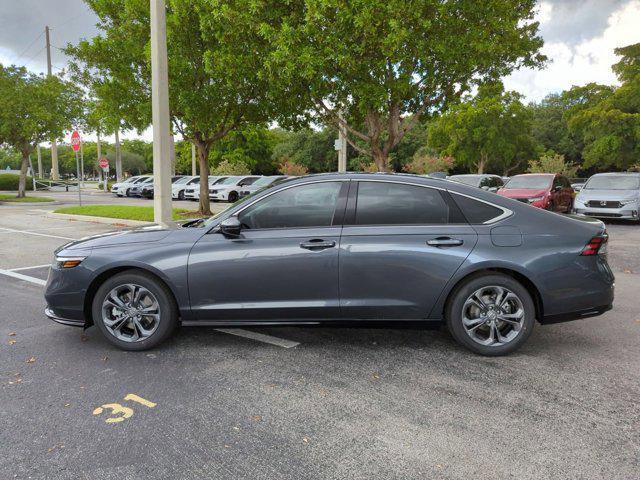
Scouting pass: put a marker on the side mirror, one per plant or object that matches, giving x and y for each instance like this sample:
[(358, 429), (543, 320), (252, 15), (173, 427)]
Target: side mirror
[(230, 227)]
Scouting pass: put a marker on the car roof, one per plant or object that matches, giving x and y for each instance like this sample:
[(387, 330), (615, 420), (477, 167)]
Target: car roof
[(631, 174)]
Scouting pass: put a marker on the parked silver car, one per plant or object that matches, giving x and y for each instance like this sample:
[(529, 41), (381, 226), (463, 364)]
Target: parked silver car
[(610, 195)]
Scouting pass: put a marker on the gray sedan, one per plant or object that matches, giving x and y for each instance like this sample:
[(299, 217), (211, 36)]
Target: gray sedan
[(342, 247)]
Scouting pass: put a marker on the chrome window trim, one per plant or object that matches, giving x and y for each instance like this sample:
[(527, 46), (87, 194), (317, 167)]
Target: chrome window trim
[(505, 211)]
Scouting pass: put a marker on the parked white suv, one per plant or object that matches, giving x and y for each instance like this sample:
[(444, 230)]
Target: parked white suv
[(121, 189), (179, 186), (229, 189), (193, 191)]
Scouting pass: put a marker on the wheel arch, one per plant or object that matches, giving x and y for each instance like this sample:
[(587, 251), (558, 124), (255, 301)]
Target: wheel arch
[(105, 274), (531, 287)]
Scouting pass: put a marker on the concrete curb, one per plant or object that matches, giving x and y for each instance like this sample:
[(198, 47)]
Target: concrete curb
[(117, 222)]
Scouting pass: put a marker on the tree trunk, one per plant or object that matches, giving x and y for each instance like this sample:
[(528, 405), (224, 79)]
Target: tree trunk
[(380, 159), (482, 163), (203, 159), (23, 175)]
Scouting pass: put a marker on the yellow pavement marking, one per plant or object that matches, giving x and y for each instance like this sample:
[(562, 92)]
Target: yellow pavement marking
[(119, 413)]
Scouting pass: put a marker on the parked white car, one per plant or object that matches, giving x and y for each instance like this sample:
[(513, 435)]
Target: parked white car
[(262, 182), (179, 186), (229, 189), (121, 189), (193, 191)]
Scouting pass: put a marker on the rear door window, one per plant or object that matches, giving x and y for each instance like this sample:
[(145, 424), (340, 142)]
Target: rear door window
[(475, 211), (386, 203)]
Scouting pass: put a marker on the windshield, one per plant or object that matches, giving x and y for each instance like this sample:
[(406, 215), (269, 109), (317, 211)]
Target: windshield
[(182, 180), (533, 182), (261, 182), (141, 180), (613, 182), (219, 181), (472, 180), (229, 181)]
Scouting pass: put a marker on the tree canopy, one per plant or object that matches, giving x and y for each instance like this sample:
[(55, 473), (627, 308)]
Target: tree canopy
[(383, 65), (34, 108)]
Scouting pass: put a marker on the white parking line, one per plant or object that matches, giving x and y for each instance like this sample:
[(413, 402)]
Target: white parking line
[(26, 232), (20, 276), (260, 337), (28, 268)]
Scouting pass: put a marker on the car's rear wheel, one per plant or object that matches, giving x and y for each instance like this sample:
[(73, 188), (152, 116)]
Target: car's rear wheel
[(134, 311), (491, 314)]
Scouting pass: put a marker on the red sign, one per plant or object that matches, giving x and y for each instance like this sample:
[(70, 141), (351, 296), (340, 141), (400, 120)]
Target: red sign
[(104, 163), (75, 141)]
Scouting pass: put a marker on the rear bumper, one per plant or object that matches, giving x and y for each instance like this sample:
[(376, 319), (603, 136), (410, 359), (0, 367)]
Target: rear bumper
[(568, 317), (51, 314)]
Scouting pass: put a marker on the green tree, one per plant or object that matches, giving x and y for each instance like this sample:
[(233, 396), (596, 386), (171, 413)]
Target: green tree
[(214, 68), (34, 108), (487, 132), (314, 150), (610, 129), (552, 163), (227, 167), (550, 123), (385, 64), (424, 163)]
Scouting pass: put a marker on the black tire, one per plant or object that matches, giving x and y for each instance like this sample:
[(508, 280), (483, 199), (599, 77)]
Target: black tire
[(233, 197), (168, 309), (126, 193), (181, 195), (457, 299)]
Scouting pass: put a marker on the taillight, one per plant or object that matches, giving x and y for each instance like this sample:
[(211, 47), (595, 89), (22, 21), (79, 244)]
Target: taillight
[(596, 245)]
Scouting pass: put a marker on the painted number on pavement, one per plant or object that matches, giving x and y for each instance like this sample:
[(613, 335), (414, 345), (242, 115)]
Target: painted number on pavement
[(118, 413)]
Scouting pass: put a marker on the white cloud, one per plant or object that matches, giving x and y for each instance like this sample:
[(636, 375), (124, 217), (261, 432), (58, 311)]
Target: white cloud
[(587, 61)]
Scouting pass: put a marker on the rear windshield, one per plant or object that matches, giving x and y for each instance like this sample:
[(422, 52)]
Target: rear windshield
[(613, 182), (536, 182)]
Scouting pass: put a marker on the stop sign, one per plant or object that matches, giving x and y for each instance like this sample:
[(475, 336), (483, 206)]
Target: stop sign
[(75, 141), (104, 163)]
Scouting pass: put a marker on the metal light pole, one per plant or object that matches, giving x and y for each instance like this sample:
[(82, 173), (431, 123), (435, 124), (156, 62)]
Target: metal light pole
[(55, 175), (160, 114)]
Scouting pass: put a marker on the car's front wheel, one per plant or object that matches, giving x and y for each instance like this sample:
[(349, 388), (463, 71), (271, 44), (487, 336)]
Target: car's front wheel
[(181, 195), (233, 197), (134, 311), (491, 314)]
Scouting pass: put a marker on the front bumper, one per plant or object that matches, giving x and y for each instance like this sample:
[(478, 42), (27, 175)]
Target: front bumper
[(49, 312), (626, 212)]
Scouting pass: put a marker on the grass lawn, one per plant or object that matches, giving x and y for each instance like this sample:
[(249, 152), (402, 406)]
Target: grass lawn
[(127, 212), (13, 198)]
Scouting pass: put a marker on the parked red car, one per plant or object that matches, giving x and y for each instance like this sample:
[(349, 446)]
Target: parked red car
[(542, 190)]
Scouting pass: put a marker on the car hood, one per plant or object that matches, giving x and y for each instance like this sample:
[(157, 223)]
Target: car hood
[(151, 233), (522, 192), (589, 194)]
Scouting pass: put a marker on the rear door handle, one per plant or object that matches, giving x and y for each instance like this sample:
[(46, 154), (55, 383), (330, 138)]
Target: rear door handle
[(445, 242), (317, 244)]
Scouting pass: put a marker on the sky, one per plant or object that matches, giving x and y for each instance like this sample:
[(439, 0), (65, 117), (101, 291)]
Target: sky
[(579, 37)]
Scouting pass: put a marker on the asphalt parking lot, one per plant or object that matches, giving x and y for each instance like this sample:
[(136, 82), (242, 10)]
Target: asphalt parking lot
[(303, 402)]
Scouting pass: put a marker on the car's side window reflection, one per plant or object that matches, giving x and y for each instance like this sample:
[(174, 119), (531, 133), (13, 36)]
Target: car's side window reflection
[(311, 205)]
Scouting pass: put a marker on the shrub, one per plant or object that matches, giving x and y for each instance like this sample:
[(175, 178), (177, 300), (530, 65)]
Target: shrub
[(552, 163), (226, 167), (289, 167), (101, 186), (9, 181), (424, 163)]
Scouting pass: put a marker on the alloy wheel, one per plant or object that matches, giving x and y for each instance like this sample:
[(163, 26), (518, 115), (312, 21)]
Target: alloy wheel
[(130, 312), (493, 316)]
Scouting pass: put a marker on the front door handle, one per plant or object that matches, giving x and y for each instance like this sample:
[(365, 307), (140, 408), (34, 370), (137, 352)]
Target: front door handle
[(445, 242), (317, 244)]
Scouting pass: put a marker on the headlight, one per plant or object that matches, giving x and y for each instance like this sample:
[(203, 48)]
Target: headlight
[(67, 262), (535, 199), (627, 202)]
